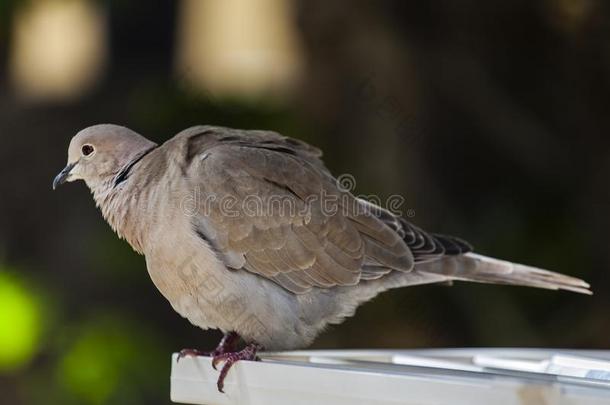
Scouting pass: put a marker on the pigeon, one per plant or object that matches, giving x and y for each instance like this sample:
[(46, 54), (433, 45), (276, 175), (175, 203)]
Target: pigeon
[(247, 231)]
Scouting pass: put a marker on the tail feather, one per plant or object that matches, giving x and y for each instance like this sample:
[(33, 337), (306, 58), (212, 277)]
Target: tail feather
[(481, 269)]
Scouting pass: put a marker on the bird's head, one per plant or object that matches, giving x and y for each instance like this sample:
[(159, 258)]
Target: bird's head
[(99, 153)]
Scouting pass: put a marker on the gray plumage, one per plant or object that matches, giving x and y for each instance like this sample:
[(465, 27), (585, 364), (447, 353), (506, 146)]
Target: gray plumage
[(237, 236)]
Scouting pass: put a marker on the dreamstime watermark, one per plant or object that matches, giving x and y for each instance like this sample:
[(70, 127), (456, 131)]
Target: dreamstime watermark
[(327, 198), (330, 200)]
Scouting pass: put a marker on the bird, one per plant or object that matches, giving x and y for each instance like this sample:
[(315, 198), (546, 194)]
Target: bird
[(248, 232)]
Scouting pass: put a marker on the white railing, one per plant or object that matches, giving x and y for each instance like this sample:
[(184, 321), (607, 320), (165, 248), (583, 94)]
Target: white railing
[(443, 376)]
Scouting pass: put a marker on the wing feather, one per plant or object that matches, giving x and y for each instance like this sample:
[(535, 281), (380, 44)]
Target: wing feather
[(276, 225)]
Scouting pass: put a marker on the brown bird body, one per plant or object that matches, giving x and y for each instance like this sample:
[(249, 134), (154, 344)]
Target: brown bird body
[(249, 233)]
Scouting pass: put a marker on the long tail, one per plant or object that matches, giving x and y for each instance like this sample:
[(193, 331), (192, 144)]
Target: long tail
[(481, 269)]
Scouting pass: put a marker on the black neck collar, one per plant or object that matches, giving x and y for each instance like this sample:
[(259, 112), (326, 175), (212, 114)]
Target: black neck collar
[(126, 171)]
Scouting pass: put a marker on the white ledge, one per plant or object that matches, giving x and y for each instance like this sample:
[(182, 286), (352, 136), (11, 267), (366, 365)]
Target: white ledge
[(444, 376)]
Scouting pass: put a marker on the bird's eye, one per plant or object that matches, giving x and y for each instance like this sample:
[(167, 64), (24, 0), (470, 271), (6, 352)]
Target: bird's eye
[(87, 150)]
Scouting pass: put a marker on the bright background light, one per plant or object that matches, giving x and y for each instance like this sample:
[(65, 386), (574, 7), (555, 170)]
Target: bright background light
[(238, 47), (58, 48)]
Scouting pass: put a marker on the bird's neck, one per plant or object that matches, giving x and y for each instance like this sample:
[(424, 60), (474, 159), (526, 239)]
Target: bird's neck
[(122, 202), (120, 207)]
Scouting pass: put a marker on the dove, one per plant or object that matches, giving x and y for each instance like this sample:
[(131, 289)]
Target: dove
[(248, 232)]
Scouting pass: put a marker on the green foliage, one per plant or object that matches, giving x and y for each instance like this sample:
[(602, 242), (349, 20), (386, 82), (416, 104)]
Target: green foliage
[(20, 322), (111, 360)]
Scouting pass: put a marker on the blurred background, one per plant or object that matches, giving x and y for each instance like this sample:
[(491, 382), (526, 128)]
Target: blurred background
[(491, 118)]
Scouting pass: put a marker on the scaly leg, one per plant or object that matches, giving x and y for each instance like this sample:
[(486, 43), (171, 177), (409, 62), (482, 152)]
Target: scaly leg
[(230, 358)]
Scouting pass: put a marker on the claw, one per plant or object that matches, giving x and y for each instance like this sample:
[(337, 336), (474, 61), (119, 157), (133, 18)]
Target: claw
[(216, 360), (190, 353)]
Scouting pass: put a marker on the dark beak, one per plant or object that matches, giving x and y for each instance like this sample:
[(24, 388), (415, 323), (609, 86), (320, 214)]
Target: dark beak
[(63, 175)]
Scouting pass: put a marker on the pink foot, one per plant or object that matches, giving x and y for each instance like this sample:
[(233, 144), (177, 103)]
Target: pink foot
[(228, 343), (230, 358)]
